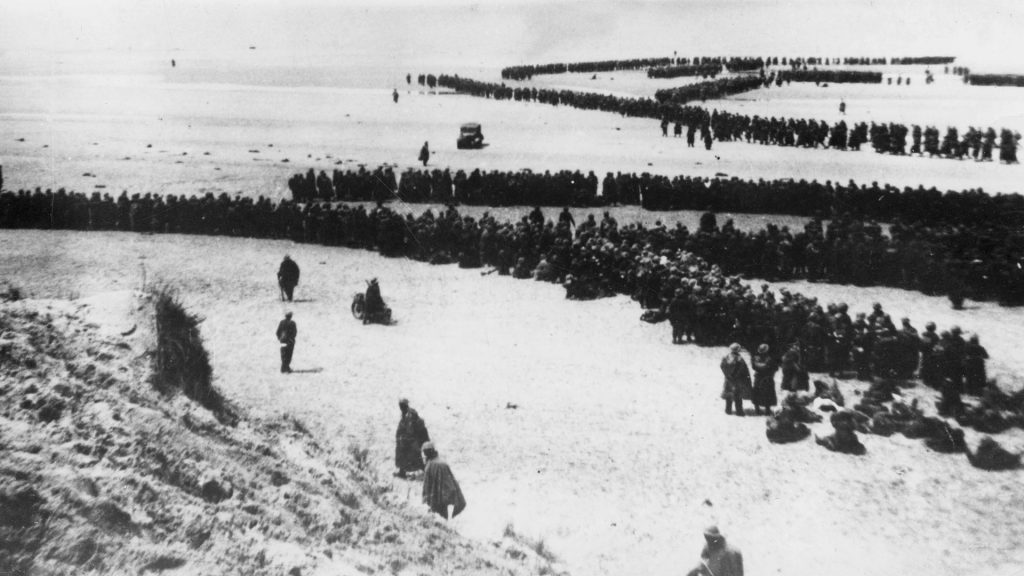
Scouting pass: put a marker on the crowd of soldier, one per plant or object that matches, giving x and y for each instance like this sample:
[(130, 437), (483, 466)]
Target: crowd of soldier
[(668, 107), (960, 245), (658, 266)]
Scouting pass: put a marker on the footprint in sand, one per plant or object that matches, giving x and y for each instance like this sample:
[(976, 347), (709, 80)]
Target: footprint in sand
[(19, 140)]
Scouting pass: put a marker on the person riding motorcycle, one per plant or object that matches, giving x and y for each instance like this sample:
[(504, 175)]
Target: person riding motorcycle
[(374, 301)]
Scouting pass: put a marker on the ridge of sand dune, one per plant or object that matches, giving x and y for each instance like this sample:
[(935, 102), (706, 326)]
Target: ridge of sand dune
[(101, 474)]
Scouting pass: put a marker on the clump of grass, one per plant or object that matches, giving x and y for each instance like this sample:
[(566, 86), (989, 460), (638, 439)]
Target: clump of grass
[(539, 546), (360, 456), (182, 362), (10, 293)]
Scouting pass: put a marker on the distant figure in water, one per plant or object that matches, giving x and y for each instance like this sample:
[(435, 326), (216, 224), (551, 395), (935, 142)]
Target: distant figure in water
[(425, 154), (173, 63), (441, 491), (718, 558), (394, 95), (842, 107)]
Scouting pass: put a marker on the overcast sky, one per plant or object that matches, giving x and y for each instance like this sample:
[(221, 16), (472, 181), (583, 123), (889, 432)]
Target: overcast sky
[(990, 28)]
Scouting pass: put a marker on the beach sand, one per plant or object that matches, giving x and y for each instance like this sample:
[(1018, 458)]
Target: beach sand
[(617, 438)]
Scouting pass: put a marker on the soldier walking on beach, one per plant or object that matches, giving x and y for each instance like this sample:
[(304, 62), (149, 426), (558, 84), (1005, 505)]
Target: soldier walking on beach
[(718, 558), (425, 153), (409, 439), (441, 491), (287, 331), (394, 95), (287, 277)]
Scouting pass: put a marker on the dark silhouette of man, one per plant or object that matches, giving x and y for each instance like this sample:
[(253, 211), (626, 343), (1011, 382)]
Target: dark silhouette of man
[(441, 491), (425, 153), (287, 277), (409, 439), (374, 301), (287, 331)]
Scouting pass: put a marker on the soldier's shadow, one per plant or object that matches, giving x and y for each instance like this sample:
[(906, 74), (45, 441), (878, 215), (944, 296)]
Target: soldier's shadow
[(308, 371), (302, 300)]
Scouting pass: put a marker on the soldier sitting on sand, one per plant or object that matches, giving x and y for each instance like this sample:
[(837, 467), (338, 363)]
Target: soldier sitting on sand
[(844, 439)]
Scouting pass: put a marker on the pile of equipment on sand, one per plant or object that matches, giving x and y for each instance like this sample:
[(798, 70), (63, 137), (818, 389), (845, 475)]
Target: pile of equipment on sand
[(882, 412)]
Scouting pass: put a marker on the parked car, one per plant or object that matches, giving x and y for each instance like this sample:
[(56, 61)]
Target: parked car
[(470, 136)]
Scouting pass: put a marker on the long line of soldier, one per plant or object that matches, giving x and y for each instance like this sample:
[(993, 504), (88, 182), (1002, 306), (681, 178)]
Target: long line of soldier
[(728, 126), (889, 138), (980, 261), (831, 76), (733, 64), (711, 89), (939, 244), (677, 71), (994, 79), (928, 206)]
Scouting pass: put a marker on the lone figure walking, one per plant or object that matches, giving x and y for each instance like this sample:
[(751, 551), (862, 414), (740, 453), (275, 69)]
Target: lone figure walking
[(287, 277), (425, 154), (440, 490), (287, 331)]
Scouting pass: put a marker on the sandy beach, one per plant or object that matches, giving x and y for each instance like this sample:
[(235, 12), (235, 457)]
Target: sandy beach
[(617, 438)]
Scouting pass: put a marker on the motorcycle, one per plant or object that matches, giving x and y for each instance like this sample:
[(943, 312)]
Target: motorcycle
[(359, 311)]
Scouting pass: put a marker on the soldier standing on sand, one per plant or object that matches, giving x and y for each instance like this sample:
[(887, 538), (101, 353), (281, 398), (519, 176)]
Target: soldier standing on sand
[(287, 277), (425, 154), (409, 439), (441, 491), (287, 331), (737, 380), (394, 95)]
